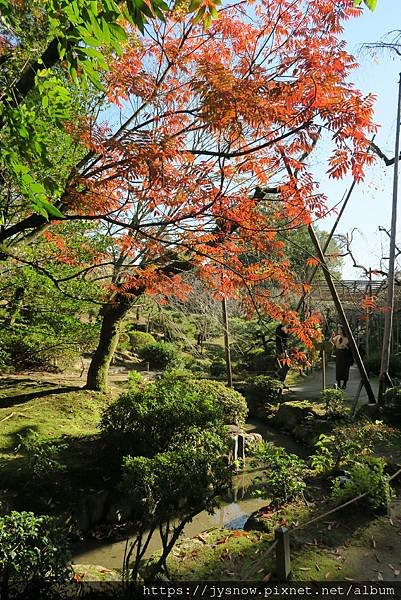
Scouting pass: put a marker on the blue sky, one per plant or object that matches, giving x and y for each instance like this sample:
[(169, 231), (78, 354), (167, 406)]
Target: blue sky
[(370, 204)]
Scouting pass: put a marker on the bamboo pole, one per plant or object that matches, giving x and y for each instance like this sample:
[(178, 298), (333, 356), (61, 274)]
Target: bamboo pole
[(343, 316), (388, 317), (227, 343)]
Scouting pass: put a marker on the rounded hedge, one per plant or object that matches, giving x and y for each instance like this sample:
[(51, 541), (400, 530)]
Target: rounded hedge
[(161, 355), (140, 339), (149, 420)]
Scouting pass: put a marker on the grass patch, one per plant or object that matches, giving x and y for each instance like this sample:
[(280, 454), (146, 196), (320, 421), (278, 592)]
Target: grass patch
[(51, 414), (221, 555)]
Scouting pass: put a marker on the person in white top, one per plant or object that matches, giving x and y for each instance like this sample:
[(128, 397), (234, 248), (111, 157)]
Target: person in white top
[(343, 356)]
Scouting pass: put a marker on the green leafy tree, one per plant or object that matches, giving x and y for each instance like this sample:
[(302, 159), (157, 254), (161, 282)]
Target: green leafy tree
[(33, 555), (48, 51), (169, 489)]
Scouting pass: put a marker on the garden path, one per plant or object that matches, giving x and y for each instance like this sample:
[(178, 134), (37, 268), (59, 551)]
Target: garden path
[(310, 387)]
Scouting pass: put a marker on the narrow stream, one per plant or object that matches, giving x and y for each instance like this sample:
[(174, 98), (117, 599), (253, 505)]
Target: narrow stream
[(232, 514)]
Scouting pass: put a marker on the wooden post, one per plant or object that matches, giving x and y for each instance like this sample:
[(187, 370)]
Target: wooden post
[(227, 344), (388, 317), (324, 381), (283, 554), (367, 328), (358, 393), (343, 316)]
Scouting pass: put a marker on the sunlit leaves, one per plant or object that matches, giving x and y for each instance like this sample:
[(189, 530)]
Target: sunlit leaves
[(371, 4)]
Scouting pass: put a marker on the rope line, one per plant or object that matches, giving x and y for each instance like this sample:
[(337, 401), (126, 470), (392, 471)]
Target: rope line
[(333, 510)]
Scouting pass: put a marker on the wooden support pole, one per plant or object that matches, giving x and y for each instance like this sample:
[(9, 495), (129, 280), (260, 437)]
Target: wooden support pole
[(283, 554), (324, 383), (388, 317), (342, 315), (329, 238), (227, 344)]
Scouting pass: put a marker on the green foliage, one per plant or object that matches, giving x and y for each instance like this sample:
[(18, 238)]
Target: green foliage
[(392, 402), (43, 348), (256, 361), (283, 474), (161, 355), (365, 476), (139, 339), (180, 481), (33, 554), (43, 456), (135, 380), (169, 489), (232, 403), (345, 443), (149, 420), (264, 389), (77, 37), (333, 400), (371, 4), (201, 366)]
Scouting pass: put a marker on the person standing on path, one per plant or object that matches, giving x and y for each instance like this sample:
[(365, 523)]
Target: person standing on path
[(282, 337), (344, 358)]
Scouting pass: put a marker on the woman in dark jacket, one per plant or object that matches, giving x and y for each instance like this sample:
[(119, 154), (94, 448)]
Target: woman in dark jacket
[(282, 337), (343, 356)]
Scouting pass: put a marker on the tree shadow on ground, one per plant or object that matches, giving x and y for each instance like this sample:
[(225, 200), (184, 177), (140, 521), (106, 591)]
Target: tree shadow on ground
[(89, 466), (10, 401), (317, 552)]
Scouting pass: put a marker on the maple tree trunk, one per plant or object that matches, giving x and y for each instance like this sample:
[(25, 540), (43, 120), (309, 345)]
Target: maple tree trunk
[(113, 316)]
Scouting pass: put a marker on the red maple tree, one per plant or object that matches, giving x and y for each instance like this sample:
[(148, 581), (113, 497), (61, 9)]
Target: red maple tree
[(212, 115)]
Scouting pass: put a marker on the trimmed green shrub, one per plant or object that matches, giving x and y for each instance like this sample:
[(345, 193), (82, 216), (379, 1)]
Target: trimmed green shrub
[(135, 380), (365, 476), (200, 365), (256, 360), (264, 389), (283, 474), (140, 339), (161, 355), (167, 490), (333, 400), (232, 403), (149, 420), (33, 555)]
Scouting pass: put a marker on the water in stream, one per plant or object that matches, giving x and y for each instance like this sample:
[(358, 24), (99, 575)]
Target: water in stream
[(232, 513)]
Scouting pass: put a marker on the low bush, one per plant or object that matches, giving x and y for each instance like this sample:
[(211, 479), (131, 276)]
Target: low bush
[(161, 355), (264, 389), (140, 339), (43, 456), (392, 402), (33, 555), (43, 348), (200, 365), (365, 476), (149, 420), (339, 449), (232, 403), (257, 360), (135, 380), (283, 474), (333, 400)]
